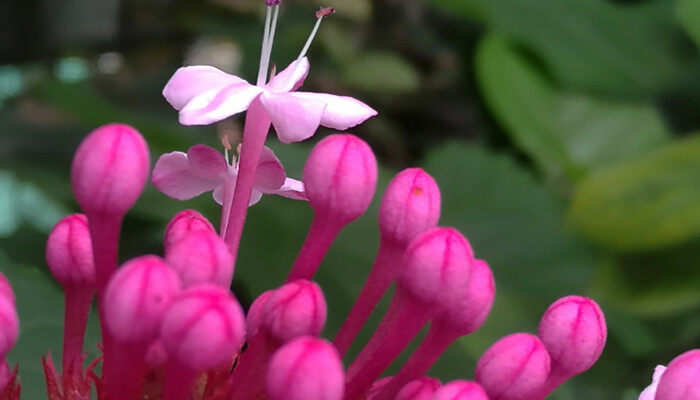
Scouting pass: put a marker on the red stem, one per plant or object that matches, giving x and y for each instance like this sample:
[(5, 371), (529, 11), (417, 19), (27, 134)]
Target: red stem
[(437, 340), (321, 235), (178, 382), (77, 308), (123, 374), (404, 319), (257, 124), (383, 273), (248, 379)]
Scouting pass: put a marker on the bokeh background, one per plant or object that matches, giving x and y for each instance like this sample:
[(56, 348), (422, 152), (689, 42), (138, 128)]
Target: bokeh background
[(560, 131)]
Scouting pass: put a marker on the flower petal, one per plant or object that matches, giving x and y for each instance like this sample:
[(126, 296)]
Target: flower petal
[(190, 82), (173, 176), (215, 105), (291, 78), (206, 162), (270, 174), (294, 118), (255, 197), (292, 189), (342, 112)]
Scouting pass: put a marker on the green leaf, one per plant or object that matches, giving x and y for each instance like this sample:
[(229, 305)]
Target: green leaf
[(688, 13), (651, 201), (566, 134), (591, 44), (381, 73)]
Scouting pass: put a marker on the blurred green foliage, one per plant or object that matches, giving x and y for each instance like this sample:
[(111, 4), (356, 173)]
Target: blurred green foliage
[(560, 132)]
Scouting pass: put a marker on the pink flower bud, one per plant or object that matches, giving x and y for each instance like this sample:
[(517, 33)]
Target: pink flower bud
[(9, 325), (460, 390), (476, 303), (419, 389), (201, 257), (340, 177), (137, 297), (307, 368), (437, 267), (256, 313), (681, 379), (69, 253), (513, 368), (185, 222), (203, 328), (6, 289), (573, 331), (110, 169), (295, 309), (410, 206)]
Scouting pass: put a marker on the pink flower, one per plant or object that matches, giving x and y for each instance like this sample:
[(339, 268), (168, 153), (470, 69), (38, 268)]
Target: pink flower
[(205, 95), (183, 176)]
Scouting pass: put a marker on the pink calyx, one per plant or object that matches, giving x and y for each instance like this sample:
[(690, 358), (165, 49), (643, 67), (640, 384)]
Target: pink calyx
[(201, 257), (419, 389), (460, 390), (183, 223)]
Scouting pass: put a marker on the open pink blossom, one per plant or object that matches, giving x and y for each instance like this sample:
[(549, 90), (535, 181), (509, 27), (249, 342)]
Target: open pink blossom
[(183, 176), (205, 95)]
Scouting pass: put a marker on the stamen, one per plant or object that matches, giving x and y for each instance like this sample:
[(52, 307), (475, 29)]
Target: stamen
[(263, 51), (319, 15)]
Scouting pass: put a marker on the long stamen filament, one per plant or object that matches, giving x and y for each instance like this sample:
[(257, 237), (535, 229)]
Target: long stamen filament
[(310, 39), (264, 57)]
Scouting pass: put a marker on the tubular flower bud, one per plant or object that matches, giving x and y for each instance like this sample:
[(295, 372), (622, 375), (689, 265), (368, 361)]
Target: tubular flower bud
[(437, 267), (460, 390), (574, 332), (110, 169), (203, 328), (306, 368), (6, 289), (680, 380), (185, 222), (69, 253), (201, 257), (513, 368), (340, 177), (137, 297), (295, 309), (410, 206), (476, 303), (256, 313), (419, 389), (9, 326)]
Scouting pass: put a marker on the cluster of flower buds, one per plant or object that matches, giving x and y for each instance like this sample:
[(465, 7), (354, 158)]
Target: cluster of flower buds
[(172, 329)]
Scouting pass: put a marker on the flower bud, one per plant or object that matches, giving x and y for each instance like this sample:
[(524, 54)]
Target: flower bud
[(419, 389), (475, 305), (340, 177), (185, 222), (203, 328), (9, 326), (110, 169), (573, 331), (514, 367), (201, 257), (307, 368), (256, 313), (69, 253), (137, 297), (460, 390), (6, 289), (437, 267), (295, 309), (680, 380), (410, 206)]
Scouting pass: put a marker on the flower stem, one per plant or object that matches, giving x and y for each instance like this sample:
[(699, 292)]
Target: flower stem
[(248, 379), (321, 235), (381, 275), (178, 382), (257, 124), (404, 319), (77, 309), (104, 233), (123, 372)]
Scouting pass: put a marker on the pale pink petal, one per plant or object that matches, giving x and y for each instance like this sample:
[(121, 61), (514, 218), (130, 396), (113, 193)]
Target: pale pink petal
[(291, 78), (650, 392), (294, 118), (255, 197), (342, 112), (173, 176), (206, 162), (292, 189), (270, 174), (190, 82), (218, 195), (216, 105)]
